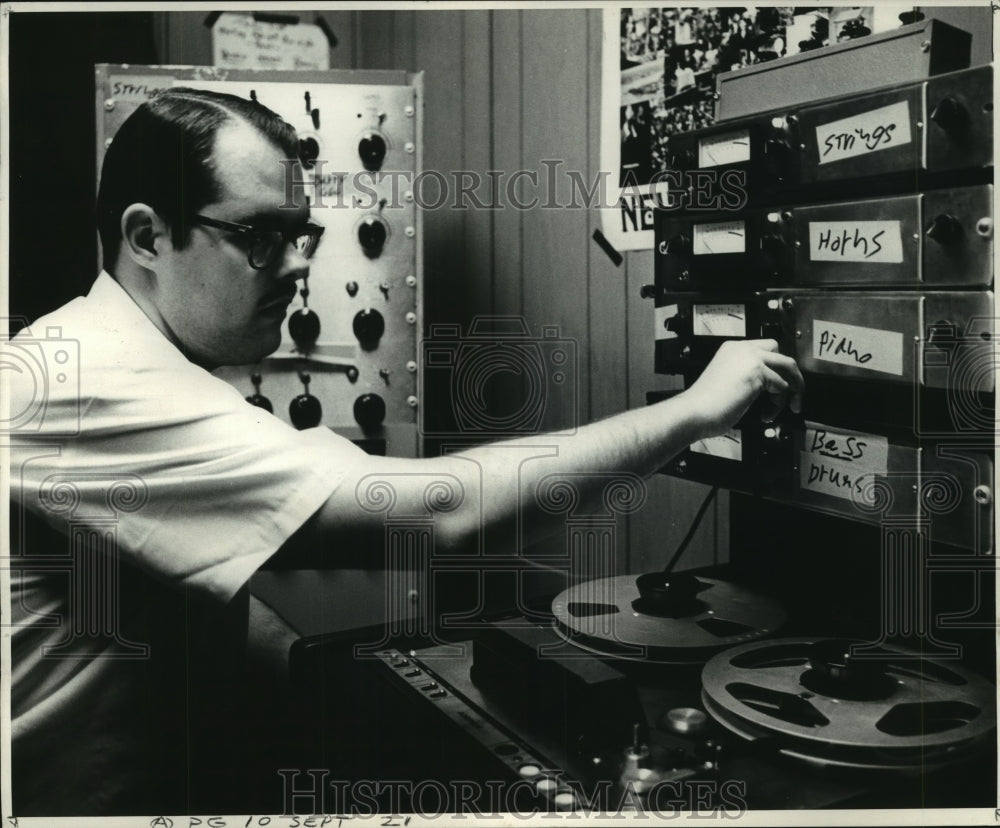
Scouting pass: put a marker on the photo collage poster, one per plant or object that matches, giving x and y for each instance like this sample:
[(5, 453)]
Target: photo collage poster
[(659, 79)]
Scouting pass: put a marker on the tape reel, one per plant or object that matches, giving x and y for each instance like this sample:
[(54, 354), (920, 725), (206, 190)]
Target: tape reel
[(614, 617), (890, 711)]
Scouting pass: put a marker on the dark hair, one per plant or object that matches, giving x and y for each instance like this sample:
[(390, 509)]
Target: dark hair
[(162, 156)]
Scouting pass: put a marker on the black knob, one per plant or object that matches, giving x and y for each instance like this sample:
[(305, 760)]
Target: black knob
[(261, 401), (372, 234), (369, 325), (369, 410), (305, 411), (773, 244), (679, 245), (945, 229), (372, 150), (308, 151), (304, 327), (950, 115)]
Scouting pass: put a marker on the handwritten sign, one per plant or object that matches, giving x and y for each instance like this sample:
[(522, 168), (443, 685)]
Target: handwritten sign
[(730, 148), (871, 349), (139, 88), (855, 241), (720, 237), (240, 42), (879, 129), (836, 462), (720, 320), (662, 316), (728, 446)]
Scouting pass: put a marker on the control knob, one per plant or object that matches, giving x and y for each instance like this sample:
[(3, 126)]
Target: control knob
[(305, 410), (257, 398), (950, 115), (369, 410), (372, 150), (372, 234), (369, 325), (945, 229)]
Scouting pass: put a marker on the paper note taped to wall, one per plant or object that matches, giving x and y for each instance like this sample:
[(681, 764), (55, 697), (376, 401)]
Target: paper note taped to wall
[(841, 463), (879, 129), (728, 446), (869, 349), (241, 42), (855, 241)]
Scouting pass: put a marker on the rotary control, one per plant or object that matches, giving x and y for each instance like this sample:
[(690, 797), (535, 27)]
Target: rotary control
[(308, 151), (678, 245), (305, 410), (372, 149), (372, 235), (369, 325), (950, 115), (369, 410), (304, 325), (257, 398), (945, 229)]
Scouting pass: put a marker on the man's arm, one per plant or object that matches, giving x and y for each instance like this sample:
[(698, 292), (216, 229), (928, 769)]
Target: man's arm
[(484, 489)]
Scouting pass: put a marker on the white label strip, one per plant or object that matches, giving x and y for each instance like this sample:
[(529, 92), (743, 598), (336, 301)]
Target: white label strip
[(728, 446), (719, 320), (836, 462), (720, 237), (855, 241), (139, 88), (730, 148), (870, 349), (661, 316), (879, 129)]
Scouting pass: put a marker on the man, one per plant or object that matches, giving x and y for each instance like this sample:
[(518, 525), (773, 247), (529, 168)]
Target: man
[(187, 490)]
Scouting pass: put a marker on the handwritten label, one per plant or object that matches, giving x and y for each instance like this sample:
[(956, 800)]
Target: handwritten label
[(879, 129), (869, 348), (139, 88), (662, 317), (729, 148), (720, 237), (836, 462), (240, 42), (855, 241), (719, 320), (728, 446)]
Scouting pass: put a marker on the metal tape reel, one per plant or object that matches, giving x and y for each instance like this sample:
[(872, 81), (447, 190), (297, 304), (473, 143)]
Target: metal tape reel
[(926, 714), (601, 616)]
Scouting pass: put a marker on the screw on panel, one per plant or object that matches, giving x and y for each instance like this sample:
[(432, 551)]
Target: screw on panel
[(409, 147), (925, 46), (408, 111), (411, 281), (983, 495), (411, 401), (984, 227), (109, 104), (411, 317), (411, 366), (410, 232)]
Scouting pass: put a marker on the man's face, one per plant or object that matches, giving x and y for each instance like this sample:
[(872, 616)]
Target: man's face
[(221, 310)]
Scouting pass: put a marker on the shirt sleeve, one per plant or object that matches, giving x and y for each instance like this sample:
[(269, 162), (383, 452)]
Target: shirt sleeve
[(198, 486)]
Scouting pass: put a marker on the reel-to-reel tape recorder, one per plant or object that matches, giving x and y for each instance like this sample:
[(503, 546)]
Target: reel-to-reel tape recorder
[(660, 693)]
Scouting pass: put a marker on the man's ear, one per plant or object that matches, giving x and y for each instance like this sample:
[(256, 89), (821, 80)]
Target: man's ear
[(143, 235)]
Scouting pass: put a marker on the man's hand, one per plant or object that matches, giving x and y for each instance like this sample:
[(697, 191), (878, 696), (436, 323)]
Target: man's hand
[(737, 375)]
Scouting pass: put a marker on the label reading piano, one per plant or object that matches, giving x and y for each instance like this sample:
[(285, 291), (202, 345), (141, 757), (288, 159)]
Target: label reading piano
[(719, 320), (873, 131), (880, 242), (719, 237), (868, 349), (840, 463)]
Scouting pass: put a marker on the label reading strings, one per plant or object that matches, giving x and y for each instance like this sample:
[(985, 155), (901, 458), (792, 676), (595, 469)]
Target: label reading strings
[(836, 463), (719, 320), (730, 148), (855, 241), (879, 129), (719, 237), (870, 349), (728, 446)]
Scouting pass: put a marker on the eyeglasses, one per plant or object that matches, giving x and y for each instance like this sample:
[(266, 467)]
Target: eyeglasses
[(267, 246)]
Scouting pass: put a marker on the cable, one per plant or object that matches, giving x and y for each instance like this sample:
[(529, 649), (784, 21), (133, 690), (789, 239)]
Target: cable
[(690, 534)]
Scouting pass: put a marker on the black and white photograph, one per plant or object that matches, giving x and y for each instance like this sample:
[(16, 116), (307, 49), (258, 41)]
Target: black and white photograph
[(497, 413)]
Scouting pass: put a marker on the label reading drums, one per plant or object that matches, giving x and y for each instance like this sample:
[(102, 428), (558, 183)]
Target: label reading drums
[(835, 462)]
